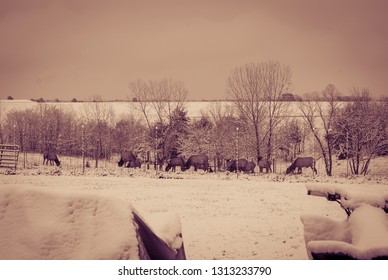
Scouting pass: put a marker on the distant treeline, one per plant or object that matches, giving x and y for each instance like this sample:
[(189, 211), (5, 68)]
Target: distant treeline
[(360, 129), (285, 97)]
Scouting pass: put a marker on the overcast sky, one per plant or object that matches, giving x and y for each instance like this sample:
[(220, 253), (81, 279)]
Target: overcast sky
[(81, 48)]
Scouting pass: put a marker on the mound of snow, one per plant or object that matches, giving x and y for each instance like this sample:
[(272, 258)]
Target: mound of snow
[(45, 224), (363, 236), (354, 199)]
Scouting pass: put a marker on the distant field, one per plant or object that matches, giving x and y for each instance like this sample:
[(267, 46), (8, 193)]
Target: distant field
[(194, 108)]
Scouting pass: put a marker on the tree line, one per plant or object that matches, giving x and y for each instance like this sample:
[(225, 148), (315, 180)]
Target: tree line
[(257, 124)]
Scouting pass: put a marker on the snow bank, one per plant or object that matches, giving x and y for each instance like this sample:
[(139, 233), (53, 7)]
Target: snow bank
[(45, 224)]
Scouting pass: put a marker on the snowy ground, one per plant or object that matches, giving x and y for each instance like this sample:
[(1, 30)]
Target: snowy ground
[(222, 216)]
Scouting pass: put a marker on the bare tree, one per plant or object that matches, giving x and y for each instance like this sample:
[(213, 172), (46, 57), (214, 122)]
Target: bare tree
[(256, 91), (139, 98), (290, 140), (277, 81), (129, 132), (166, 96), (17, 120), (157, 100), (319, 116), (223, 117), (160, 97), (51, 125), (219, 110), (246, 88), (43, 127), (2, 115), (100, 116), (174, 95), (363, 126)]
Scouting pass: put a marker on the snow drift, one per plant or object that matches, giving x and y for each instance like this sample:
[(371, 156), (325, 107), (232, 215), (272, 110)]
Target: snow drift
[(38, 223)]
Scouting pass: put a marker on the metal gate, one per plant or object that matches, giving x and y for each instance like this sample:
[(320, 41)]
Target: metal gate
[(9, 155)]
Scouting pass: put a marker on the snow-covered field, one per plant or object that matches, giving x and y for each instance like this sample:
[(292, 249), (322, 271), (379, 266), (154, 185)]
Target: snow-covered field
[(222, 216), (194, 108)]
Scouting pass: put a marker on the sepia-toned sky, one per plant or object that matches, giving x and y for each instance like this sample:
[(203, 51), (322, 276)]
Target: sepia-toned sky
[(82, 48)]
